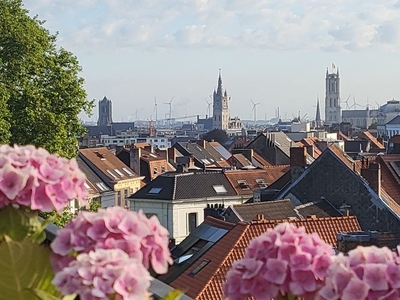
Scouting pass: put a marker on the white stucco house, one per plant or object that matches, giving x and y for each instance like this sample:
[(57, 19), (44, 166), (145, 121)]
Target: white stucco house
[(178, 199)]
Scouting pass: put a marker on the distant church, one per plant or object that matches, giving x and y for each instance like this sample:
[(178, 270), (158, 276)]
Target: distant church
[(220, 107), (333, 113), (220, 118), (105, 112)]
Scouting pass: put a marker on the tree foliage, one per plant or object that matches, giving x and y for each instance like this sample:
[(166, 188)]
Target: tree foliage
[(41, 91), (217, 135)]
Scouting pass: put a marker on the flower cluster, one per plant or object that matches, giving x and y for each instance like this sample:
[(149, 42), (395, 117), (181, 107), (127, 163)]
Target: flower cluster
[(282, 261), (366, 273), (102, 273), (142, 238), (34, 178)]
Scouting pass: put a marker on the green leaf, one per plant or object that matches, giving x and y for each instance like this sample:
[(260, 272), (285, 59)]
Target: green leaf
[(42, 295), (24, 268), (173, 295), (19, 224)]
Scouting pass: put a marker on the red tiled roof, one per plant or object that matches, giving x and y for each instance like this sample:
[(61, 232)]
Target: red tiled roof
[(352, 164), (269, 175), (207, 283), (373, 140), (390, 179), (261, 159), (106, 162)]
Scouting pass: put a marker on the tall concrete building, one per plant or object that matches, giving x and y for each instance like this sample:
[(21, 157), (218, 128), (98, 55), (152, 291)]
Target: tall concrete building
[(105, 112), (220, 107), (333, 113)]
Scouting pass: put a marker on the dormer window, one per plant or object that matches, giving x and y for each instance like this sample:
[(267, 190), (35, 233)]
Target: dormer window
[(261, 183), (243, 185)]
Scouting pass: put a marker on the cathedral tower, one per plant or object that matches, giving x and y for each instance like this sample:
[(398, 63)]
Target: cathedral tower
[(105, 112), (220, 107), (333, 114)]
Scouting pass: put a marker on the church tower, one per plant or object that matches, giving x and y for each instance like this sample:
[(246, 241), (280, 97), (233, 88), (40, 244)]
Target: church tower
[(333, 114), (105, 112), (220, 107)]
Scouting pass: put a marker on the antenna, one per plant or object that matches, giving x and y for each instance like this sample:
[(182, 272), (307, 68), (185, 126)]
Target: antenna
[(208, 108), (155, 110), (170, 111), (254, 110)]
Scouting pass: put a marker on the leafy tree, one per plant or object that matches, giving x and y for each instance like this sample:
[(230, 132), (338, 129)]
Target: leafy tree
[(41, 92), (217, 135)]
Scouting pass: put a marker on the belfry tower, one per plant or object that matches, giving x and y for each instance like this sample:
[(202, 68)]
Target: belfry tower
[(333, 113), (220, 107), (105, 112)]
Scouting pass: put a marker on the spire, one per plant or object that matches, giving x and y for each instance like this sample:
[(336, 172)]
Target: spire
[(219, 89), (327, 73), (318, 113), (337, 72)]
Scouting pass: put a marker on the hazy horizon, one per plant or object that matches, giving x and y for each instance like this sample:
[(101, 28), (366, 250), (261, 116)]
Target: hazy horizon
[(272, 52)]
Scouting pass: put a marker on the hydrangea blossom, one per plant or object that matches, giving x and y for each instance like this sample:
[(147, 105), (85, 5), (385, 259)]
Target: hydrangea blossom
[(99, 274), (366, 273), (34, 178), (142, 238), (282, 261)]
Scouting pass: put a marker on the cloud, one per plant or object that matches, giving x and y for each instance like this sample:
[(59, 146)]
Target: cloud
[(256, 24)]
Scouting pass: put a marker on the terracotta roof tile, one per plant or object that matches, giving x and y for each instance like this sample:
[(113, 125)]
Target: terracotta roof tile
[(261, 159), (107, 163), (373, 140), (207, 283), (245, 181), (390, 178)]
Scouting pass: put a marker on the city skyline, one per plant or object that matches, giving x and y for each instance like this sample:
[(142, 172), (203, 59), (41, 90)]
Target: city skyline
[(272, 52)]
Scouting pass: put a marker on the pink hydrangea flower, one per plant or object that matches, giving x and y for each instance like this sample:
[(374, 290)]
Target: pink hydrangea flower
[(103, 273), (115, 228), (281, 262), (39, 180), (365, 273)]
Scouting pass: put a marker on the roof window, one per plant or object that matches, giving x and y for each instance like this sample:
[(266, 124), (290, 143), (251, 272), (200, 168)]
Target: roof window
[(155, 190), (127, 171), (220, 189), (112, 174), (243, 185), (199, 267), (119, 173), (261, 183)]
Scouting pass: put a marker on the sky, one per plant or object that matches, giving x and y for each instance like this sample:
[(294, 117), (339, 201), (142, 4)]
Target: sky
[(270, 52)]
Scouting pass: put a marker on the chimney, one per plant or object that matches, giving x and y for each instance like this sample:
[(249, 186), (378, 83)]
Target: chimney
[(260, 217), (310, 150), (298, 162), (134, 159), (214, 210), (149, 148), (171, 154), (372, 173), (201, 143)]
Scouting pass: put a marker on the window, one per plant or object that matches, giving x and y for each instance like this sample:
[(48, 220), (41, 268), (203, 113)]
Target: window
[(119, 172), (155, 190), (162, 169), (119, 198), (261, 183), (126, 193), (149, 215), (155, 170), (220, 189), (112, 174), (199, 267), (101, 186), (87, 186), (127, 171), (243, 185), (192, 221)]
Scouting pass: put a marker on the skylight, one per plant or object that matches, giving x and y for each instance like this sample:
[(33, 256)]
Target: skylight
[(155, 190), (183, 258), (119, 173), (153, 155), (199, 267), (87, 186), (101, 186), (127, 171), (112, 174), (243, 185), (261, 183), (220, 189)]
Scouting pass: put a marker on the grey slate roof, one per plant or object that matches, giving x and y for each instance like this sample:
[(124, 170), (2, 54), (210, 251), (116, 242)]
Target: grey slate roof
[(394, 121), (188, 185)]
